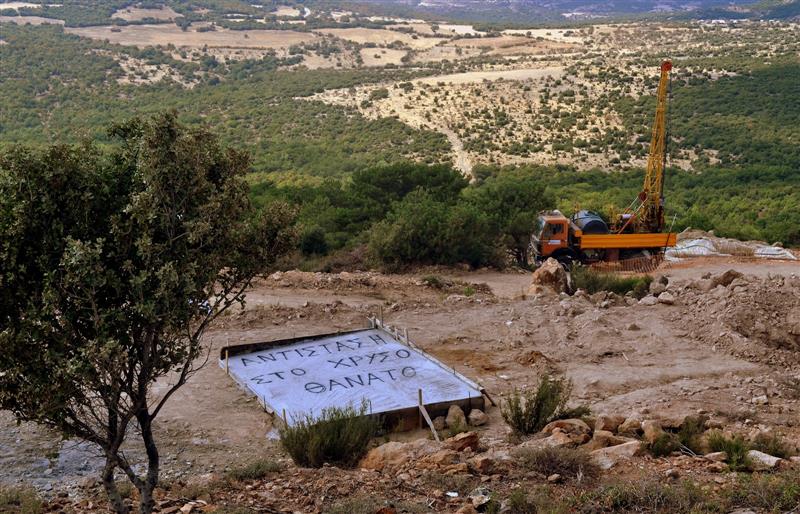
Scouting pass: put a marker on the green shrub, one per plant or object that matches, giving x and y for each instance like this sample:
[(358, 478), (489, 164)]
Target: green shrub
[(17, 500), (435, 282), (423, 230), (579, 412), (566, 462), (254, 470), (529, 411), (736, 448), (772, 444), (664, 445), (379, 94), (593, 281), (338, 436), (312, 242), (690, 434)]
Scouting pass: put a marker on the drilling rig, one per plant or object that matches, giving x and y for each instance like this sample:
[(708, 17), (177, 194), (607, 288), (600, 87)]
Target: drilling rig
[(636, 233)]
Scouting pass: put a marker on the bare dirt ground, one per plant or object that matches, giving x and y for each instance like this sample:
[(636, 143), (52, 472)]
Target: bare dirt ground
[(32, 20), (713, 351)]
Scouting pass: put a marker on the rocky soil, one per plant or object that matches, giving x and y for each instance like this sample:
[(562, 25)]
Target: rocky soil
[(706, 341)]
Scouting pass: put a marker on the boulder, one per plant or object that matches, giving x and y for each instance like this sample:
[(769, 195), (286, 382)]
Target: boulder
[(467, 509), (477, 418), (652, 429), (441, 458), (604, 439), (609, 457), (549, 275), (666, 298), (648, 300), (480, 497), (630, 426), (439, 423), (725, 279), (760, 461), (558, 439), (386, 455), (455, 417), (463, 441), (716, 456), (656, 288), (608, 422), (395, 454), (482, 464), (570, 426)]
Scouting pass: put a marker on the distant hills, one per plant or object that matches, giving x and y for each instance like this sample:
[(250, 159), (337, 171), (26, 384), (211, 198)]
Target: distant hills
[(538, 11)]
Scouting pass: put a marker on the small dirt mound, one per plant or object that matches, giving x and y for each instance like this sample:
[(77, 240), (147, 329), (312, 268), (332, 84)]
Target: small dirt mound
[(769, 317), (749, 314)]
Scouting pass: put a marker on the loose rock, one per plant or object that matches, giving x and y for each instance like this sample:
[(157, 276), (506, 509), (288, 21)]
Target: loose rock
[(551, 275), (760, 461), (652, 429), (455, 417), (609, 457), (463, 441), (608, 422), (477, 418)]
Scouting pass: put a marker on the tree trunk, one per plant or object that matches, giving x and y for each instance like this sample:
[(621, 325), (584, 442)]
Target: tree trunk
[(110, 486), (147, 502)]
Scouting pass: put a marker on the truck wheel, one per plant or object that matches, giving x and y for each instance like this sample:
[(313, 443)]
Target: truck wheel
[(566, 259)]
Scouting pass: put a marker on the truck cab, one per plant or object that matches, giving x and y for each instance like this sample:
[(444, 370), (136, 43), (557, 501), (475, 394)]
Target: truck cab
[(551, 237)]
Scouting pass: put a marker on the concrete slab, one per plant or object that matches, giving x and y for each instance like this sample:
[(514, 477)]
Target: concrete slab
[(292, 378)]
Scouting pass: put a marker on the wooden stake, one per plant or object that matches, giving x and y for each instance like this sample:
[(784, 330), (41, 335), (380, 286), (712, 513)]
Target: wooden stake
[(419, 392), (227, 369)]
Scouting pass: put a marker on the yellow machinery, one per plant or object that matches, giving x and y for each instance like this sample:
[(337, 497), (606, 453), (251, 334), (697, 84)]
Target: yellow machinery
[(587, 238)]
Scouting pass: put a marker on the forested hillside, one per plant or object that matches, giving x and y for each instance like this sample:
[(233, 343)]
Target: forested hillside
[(382, 186), (752, 117), (61, 87)]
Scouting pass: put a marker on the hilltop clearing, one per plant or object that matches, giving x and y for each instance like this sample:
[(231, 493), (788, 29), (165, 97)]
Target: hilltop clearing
[(729, 350)]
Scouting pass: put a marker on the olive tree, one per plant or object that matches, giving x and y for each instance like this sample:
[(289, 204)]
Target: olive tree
[(113, 263)]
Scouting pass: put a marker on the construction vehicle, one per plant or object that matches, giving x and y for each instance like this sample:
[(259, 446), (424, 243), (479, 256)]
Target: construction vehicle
[(638, 232)]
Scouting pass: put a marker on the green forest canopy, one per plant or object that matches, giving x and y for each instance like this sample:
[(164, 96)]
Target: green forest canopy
[(59, 87)]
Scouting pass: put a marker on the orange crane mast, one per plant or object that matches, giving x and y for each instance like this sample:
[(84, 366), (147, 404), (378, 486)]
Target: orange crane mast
[(648, 215), (587, 238)]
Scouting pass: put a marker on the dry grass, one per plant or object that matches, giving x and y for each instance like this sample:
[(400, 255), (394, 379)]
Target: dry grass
[(163, 34), (255, 470), (19, 500), (571, 464)]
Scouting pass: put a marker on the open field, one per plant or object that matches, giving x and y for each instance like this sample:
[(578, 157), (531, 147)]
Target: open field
[(382, 37), (152, 35), (138, 14), (382, 56), (472, 77), (285, 10), (30, 20)]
